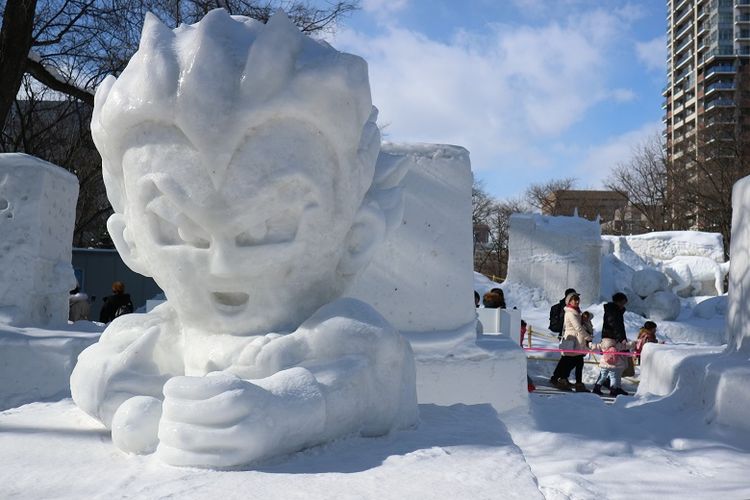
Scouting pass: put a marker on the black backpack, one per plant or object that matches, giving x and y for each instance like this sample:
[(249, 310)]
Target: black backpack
[(556, 318), (123, 309)]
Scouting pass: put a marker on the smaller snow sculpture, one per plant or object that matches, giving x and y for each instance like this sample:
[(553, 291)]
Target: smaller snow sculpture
[(688, 273), (647, 281), (37, 215), (240, 160)]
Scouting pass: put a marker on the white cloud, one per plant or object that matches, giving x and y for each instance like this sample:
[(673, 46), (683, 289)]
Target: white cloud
[(384, 7), (653, 53), (505, 94), (599, 160)]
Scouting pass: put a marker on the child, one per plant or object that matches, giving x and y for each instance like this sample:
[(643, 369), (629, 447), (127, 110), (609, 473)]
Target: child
[(586, 318), (647, 334), (611, 366)]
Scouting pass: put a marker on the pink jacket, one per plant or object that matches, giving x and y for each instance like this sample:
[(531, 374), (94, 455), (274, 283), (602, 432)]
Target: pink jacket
[(611, 345)]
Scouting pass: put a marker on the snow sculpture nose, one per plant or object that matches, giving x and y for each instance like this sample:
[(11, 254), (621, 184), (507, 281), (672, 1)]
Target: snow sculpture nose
[(222, 261)]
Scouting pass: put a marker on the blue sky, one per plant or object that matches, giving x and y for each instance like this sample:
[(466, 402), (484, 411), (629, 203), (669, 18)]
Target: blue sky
[(535, 89)]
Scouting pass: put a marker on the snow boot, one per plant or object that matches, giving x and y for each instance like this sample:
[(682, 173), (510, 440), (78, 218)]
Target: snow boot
[(563, 384), (597, 389), (621, 392), (606, 383), (580, 387)]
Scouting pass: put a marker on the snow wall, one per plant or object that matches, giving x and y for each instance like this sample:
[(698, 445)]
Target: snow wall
[(421, 277), (555, 253), (738, 317), (37, 216)]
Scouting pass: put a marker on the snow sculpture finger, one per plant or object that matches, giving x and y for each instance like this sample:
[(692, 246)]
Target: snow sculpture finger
[(243, 164)]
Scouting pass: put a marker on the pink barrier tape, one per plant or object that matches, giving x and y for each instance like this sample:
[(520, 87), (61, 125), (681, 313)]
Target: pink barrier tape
[(545, 349)]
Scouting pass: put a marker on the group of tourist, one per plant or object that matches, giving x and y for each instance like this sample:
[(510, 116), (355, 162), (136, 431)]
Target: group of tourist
[(576, 334)]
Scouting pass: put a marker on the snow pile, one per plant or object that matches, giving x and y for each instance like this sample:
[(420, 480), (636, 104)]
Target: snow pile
[(252, 196), (37, 214), (555, 253), (420, 277), (35, 364)]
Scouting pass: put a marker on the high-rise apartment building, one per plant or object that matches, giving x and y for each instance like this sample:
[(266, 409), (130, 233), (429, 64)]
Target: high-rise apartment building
[(709, 48)]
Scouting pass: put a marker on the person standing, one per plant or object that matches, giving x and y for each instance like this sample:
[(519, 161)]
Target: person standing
[(576, 335), (557, 314), (614, 318), (117, 304), (78, 305)]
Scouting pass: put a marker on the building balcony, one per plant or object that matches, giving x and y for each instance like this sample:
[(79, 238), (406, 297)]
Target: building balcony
[(720, 70), (688, 26), (719, 103), (683, 60), (682, 16), (742, 3), (679, 4), (742, 19), (686, 44), (742, 35), (718, 87)]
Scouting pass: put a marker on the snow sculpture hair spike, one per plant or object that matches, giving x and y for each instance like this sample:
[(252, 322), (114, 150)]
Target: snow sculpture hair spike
[(217, 79)]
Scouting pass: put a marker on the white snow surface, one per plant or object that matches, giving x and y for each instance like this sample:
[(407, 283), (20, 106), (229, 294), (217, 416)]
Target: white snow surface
[(37, 215)]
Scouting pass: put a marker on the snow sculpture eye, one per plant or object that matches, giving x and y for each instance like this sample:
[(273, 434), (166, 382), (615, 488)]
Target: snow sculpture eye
[(172, 227)]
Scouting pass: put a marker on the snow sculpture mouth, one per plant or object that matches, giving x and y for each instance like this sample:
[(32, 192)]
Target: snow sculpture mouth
[(230, 302)]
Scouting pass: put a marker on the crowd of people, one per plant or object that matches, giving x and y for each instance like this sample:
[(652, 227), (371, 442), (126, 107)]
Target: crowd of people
[(575, 333)]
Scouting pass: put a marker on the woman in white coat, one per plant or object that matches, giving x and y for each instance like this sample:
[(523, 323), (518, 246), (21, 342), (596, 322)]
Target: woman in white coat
[(576, 338)]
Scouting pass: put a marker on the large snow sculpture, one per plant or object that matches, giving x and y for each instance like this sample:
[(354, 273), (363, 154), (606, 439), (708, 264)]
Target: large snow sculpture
[(37, 215), (240, 161)]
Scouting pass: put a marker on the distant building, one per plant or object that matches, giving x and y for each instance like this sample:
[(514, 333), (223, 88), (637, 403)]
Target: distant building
[(615, 213), (589, 204)]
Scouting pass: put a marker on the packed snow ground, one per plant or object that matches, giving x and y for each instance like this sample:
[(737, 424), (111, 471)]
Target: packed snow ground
[(567, 446)]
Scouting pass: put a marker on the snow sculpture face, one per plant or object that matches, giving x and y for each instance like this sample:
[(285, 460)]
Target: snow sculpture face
[(239, 159)]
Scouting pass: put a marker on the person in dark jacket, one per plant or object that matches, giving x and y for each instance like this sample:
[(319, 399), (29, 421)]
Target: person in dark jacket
[(614, 318), (117, 304)]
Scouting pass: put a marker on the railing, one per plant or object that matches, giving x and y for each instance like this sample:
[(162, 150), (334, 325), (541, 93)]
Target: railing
[(720, 69), (720, 86), (742, 18), (723, 103)]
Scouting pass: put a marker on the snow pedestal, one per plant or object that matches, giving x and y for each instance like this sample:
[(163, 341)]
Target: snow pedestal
[(37, 215), (709, 378), (555, 253), (35, 364), (488, 369)]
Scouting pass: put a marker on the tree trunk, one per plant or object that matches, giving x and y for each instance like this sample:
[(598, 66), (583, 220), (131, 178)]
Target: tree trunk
[(15, 43)]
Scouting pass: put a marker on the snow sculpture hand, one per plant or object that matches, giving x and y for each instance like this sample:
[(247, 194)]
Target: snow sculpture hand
[(221, 420), (123, 364)]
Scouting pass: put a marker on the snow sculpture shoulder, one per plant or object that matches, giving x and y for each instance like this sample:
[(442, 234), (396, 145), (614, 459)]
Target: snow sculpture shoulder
[(240, 159)]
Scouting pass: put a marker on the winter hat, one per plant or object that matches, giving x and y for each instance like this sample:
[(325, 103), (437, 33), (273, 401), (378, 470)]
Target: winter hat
[(570, 297)]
